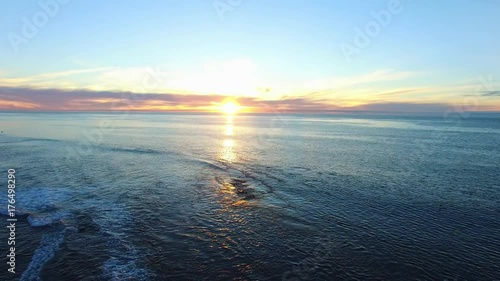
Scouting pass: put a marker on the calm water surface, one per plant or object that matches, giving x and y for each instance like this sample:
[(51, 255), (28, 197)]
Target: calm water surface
[(288, 197)]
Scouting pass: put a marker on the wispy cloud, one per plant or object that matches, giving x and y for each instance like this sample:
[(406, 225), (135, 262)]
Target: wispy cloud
[(232, 77), (326, 85), (48, 79), (398, 92), (237, 77), (403, 107), (491, 94)]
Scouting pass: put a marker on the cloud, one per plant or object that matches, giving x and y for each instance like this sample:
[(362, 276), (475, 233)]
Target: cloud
[(327, 85), (491, 94), (237, 76), (86, 100), (403, 107), (47, 79), (9, 104), (399, 92), (233, 77)]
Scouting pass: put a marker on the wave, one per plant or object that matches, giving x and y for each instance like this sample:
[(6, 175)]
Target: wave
[(40, 205), (55, 208), (16, 140), (45, 219), (116, 269), (208, 163), (123, 263), (49, 245), (132, 150)]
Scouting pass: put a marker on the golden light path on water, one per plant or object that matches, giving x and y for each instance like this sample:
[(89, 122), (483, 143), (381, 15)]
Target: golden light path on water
[(235, 190), (228, 145)]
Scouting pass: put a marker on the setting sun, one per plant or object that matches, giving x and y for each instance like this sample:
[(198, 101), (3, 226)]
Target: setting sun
[(230, 107)]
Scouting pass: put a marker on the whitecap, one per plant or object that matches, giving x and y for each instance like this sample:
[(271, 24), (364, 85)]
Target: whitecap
[(119, 269), (49, 245), (40, 199), (123, 264), (44, 219), (49, 206)]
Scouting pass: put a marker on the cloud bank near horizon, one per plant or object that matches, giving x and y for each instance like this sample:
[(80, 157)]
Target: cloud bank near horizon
[(148, 89), (27, 99)]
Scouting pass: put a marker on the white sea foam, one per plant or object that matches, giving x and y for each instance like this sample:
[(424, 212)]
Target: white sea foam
[(39, 200), (49, 245), (49, 206), (123, 263), (44, 205), (119, 269), (44, 219)]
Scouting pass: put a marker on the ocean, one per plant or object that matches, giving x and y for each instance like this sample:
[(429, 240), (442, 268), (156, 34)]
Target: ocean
[(149, 196)]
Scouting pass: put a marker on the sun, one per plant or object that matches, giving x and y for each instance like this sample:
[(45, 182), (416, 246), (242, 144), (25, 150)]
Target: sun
[(230, 107)]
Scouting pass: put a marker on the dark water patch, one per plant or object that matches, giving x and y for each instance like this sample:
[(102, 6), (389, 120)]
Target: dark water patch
[(11, 139), (132, 150), (262, 181), (210, 164), (239, 187)]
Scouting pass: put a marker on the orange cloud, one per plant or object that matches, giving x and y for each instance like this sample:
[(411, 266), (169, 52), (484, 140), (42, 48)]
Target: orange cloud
[(8, 104)]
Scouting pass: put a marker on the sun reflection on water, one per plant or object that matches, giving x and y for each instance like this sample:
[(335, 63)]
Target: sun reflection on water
[(228, 154), (228, 145), (229, 130)]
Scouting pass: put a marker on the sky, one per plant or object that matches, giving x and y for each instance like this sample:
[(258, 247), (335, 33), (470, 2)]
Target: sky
[(194, 55)]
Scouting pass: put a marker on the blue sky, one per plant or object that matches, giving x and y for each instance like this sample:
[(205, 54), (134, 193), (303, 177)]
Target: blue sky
[(430, 52)]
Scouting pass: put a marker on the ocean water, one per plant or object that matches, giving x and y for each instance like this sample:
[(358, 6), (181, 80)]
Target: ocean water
[(268, 197)]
